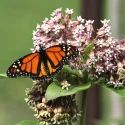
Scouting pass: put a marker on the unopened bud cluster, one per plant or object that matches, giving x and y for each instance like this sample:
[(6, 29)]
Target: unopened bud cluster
[(62, 110)]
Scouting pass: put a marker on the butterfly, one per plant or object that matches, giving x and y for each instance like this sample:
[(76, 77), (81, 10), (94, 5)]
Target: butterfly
[(43, 65)]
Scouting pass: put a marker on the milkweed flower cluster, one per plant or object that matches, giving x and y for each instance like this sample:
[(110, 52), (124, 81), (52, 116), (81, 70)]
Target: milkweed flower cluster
[(62, 29), (107, 56), (65, 84)]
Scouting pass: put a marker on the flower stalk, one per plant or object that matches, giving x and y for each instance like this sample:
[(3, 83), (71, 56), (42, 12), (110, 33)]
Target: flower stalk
[(83, 107)]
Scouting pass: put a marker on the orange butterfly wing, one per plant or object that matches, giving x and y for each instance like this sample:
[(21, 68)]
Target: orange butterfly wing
[(59, 55), (25, 66), (33, 66), (44, 64)]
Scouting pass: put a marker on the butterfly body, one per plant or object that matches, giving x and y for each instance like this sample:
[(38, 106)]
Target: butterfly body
[(42, 65)]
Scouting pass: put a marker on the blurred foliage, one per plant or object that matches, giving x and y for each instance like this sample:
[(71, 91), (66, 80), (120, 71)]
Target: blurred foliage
[(122, 21), (18, 18)]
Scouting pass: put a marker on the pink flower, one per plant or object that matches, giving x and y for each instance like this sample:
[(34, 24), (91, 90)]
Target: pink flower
[(69, 11), (89, 28), (105, 30), (79, 18), (60, 27)]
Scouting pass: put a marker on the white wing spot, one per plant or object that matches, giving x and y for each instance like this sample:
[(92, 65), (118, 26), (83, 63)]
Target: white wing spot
[(17, 70)]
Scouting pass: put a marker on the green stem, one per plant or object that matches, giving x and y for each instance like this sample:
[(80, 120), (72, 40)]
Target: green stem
[(83, 107)]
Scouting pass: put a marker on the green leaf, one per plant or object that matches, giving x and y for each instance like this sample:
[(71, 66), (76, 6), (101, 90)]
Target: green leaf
[(119, 91), (68, 69), (87, 51), (54, 90), (28, 123), (3, 76)]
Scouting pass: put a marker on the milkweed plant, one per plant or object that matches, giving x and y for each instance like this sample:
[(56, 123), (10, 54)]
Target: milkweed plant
[(101, 61)]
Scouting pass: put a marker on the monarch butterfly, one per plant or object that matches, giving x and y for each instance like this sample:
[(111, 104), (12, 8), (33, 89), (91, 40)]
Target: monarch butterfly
[(43, 65)]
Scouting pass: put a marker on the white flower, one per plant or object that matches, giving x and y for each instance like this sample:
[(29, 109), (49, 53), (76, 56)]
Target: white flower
[(56, 28), (116, 84), (69, 11), (106, 27), (81, 27), (78, 31), (65, 85), (58, 10), (46, 20), (55, 12), (88, 22), (37, 48), (111, 82), (38, 26), (100, 42), (107, 30), (99, 69), (93, 60), (34, 33), (79, 18), (46, 28), (35, 43), (78, 41), (53, 19), (105, 22), (34, 38), (60, 40), (33, 50), (109, 53)]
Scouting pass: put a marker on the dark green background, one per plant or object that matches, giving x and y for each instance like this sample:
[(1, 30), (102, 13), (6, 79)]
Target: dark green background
[(18, 18)]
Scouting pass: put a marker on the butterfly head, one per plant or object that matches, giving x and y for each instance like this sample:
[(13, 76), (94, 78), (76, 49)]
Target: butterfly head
[(42, 51)]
